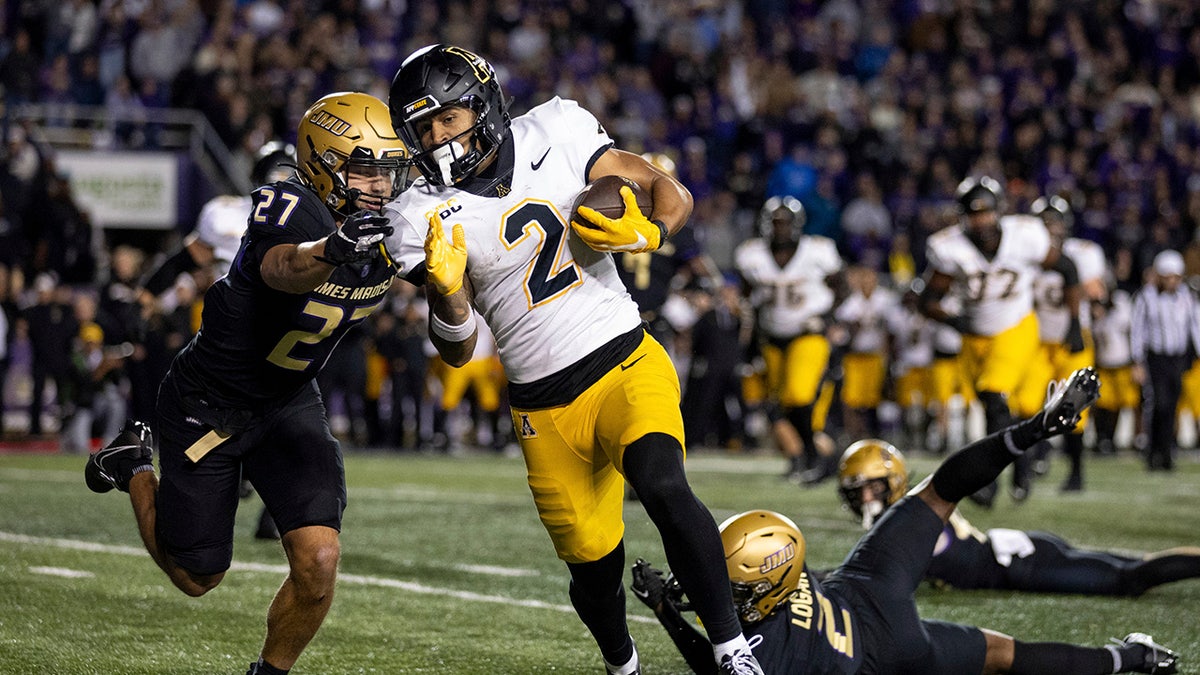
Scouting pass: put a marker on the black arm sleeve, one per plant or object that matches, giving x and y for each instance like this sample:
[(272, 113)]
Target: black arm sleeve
[(1067, 269), (164, 277), (694, 647)]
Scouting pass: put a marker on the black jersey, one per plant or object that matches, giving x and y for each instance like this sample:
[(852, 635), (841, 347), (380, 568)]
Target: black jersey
[(257, 344), (811, 628), (647, 276)]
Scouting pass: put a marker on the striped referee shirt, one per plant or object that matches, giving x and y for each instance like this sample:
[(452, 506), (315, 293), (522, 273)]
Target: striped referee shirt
[(1163, 323)]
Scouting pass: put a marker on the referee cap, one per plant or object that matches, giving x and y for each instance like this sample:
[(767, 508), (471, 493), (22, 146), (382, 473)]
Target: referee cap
[(1167, 263)]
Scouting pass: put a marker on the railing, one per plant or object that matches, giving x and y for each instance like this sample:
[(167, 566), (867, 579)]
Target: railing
[(171, 129)]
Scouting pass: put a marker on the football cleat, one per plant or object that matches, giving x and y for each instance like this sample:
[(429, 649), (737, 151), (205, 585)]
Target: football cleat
[(112, 466), (741, 662), (1066, 400), (1156, 658)]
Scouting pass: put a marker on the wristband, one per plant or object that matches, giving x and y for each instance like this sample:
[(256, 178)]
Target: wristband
[(662, 232), (451, 332)]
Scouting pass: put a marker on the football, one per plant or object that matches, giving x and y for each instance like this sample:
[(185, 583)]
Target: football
[(604, 195)]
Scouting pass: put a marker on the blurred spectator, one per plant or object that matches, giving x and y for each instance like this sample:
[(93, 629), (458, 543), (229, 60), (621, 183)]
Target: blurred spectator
[(19, 69), (52, 329), (91, 394)]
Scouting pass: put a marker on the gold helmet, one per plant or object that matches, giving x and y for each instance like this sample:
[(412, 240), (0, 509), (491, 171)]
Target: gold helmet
[(872, 461), (349, 129), (764, 552), (663, 162)]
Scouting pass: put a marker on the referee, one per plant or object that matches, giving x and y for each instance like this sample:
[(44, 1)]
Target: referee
[(1163, 339)]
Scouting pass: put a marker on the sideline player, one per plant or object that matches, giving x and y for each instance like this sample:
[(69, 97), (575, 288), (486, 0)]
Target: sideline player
[(863, 616), (991, 260), (240, 398), (594, 397), (790, 277)]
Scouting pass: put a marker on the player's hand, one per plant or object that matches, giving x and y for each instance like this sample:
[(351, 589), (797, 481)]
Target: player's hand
[(445, 261), (1074, 337), (633, 232), (358, 238), (960, 323), (649, 584)]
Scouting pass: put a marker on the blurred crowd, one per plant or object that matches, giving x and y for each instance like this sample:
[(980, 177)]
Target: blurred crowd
[(868, 111)]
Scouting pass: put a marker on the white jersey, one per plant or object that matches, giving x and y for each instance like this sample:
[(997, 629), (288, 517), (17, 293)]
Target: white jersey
[(868, 316), (912, 335), (1111, 333), (997, 293), (221, 225), (946, 340), (549, 299), (1049, 290), (791, 297)]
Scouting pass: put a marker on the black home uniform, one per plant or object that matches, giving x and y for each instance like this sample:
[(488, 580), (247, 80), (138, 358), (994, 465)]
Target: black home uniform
[(247, 380), (863, 618)]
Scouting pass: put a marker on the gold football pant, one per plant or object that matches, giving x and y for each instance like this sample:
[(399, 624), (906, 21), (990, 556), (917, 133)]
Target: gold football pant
[(574, 452)]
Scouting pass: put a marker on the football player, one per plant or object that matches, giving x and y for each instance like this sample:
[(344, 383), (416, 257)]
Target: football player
[(873, 476), (208, 251), (594, 397), (910, 344), (1064, 320), (864, 313), (240, 398), (863, 617), (991, 261), (1112, 321), (790, 277)]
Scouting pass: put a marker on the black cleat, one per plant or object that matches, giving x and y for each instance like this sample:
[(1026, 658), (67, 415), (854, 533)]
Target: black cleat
[(1156, 658), (1067, 401), (112, 466)]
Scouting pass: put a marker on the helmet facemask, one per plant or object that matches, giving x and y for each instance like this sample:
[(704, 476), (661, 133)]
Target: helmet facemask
[(875, 466)]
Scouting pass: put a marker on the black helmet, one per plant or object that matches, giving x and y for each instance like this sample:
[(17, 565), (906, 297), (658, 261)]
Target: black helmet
[(979, 194), (437, 76), (273, 162), (782, 219)]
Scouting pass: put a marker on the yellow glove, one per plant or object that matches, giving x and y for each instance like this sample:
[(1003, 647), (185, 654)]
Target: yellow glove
[(445, 262), (633, 232)]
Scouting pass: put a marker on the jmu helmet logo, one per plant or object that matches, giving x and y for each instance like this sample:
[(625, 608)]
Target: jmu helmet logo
[(778, 558), (331, 123)]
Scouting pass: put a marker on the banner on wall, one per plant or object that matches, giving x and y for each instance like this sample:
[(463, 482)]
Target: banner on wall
[(124, 189)]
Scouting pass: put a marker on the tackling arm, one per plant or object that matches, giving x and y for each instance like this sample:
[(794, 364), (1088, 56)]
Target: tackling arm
[(296, 268)]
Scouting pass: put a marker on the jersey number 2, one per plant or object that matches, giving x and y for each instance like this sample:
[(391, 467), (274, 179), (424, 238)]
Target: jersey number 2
[(546, 276)]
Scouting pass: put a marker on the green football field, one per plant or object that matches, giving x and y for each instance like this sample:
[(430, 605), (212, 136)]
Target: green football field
[(446, 569)]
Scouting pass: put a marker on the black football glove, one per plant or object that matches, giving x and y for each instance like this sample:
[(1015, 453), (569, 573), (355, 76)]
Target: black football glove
[(649, 584), (960, 323), (359, 238)]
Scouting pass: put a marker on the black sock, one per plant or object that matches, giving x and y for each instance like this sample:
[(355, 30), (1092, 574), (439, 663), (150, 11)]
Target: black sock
[(599, 599), (261, 667), (1073, 447), (1038, 658), (975, 466), (801, 418), (1162, 569)]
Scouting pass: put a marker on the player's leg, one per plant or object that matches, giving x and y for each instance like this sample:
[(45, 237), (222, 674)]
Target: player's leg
[(579, 496), (1137, 653), (639, 425), (297, 469), (979, 463), (803, 368)]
